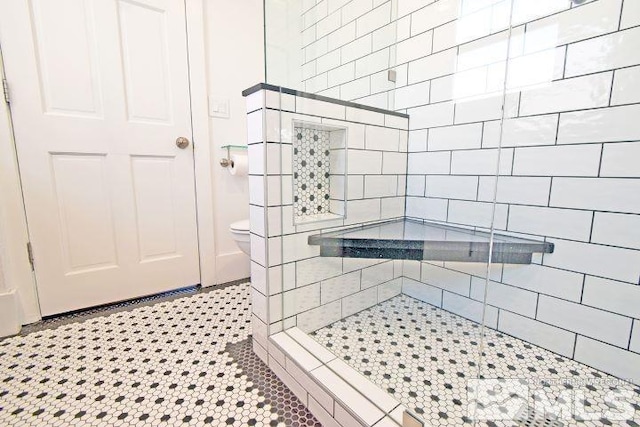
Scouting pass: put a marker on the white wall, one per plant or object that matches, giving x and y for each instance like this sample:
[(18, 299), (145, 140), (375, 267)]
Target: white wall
[(235, 62)]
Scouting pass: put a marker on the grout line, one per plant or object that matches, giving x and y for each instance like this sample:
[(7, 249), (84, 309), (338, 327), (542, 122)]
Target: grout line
[(600, 160), (557, 128), (593, 219), (613, 82), (564, 63)]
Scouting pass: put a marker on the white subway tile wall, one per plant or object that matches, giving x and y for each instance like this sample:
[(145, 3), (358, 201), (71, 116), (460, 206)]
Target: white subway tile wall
[(307, 290), (569, 165)]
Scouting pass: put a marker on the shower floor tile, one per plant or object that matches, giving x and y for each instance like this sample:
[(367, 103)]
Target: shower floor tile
[(187, 361), (427, 357)]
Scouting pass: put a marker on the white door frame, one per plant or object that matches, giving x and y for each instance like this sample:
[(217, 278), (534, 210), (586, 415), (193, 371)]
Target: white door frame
[(13, 255), (14, 260), (197, 51)]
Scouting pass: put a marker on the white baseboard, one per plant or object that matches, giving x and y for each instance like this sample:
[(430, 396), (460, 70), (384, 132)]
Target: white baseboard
[(232, 266), (9, 315)]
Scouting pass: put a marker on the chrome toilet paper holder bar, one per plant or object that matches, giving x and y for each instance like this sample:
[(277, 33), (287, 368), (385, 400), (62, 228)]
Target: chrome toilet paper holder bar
[(226, 162)]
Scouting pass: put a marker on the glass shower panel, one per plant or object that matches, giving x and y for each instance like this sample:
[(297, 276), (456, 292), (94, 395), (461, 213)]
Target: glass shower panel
[(501, 125), (562, 346), (284, 55), (453, 147), (403, 312)]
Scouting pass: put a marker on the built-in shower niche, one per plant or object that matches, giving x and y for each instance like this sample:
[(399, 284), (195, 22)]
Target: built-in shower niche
[(319, 168)]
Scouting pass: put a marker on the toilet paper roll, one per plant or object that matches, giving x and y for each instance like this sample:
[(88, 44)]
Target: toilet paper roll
[(239, 165)]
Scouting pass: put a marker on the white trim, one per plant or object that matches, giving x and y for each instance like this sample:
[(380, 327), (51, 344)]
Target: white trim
[(233, 266), (9, 313), (14, 235), (196, 38)]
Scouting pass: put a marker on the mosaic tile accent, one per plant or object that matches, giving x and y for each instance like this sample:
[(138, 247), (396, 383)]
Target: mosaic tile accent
[(182, 362), (427, 357), (311, 171), (291, 411)]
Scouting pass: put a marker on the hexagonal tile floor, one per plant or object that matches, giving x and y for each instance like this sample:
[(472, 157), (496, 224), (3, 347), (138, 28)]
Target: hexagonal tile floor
[(427, 357), (186, 361)]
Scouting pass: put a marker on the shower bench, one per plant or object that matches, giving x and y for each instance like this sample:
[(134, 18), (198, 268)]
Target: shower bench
[(423, 240)]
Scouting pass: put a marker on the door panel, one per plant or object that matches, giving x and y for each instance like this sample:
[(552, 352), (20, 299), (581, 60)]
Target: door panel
[(100, 92), (153, 180), (72, 87), (84, 211), (145, 56)]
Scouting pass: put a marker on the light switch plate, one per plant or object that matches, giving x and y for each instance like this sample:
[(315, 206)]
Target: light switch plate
[(219, 107)]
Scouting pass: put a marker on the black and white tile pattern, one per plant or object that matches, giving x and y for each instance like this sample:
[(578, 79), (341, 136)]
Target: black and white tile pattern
[(425, 356), (311, 154), (182, 362), (103, 310)]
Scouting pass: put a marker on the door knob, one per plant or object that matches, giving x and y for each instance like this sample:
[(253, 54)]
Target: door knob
[(182, 142)]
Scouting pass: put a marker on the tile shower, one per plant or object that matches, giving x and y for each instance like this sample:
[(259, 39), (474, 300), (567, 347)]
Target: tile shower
[(540, 146), (568, 171), (335, 299)]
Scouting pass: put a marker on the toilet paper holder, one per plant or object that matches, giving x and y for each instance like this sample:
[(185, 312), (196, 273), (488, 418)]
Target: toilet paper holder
[(226, 162)]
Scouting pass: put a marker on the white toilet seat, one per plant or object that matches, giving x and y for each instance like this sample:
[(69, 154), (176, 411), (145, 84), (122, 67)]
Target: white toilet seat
[(240, 226), (240, 231)]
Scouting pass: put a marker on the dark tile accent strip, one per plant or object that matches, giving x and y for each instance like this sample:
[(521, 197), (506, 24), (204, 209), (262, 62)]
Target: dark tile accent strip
[(291, 411), (273, 88)]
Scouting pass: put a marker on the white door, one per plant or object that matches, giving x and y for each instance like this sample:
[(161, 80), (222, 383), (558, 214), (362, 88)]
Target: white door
[(99, 95)]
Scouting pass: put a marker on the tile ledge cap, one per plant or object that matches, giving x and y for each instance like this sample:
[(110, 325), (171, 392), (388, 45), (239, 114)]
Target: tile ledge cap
[(274, 88)]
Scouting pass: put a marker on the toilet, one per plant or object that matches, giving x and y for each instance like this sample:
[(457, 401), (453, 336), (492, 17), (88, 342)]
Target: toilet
[(240, 232)]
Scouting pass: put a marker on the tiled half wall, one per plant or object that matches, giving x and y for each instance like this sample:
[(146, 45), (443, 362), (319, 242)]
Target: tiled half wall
[(292, 286)]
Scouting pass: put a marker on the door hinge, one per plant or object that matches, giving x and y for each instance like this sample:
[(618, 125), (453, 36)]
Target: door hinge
[(5, 89), (30, 254)]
